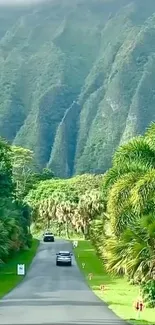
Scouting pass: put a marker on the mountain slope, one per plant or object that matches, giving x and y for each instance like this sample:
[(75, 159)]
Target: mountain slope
[(77, 79)]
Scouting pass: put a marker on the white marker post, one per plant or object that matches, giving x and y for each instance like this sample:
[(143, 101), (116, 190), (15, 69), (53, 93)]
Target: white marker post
[(21, 269), (75, 243), (83, 265), (90, 275)]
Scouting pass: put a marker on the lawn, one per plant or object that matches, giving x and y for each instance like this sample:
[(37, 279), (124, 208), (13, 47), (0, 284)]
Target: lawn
[(8, 272), (118, 293)]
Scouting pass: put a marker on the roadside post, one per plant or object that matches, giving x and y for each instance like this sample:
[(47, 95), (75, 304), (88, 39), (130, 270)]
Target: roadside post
[(90, 275), (139, 307), (21, 269), (102, 287), (75, 243), (83, 265)]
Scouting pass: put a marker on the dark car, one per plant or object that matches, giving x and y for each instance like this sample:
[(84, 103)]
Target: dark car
[(48, 237), (64, 258)]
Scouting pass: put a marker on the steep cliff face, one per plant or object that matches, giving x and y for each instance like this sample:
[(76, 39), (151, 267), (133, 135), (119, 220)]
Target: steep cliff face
[(77, 79)]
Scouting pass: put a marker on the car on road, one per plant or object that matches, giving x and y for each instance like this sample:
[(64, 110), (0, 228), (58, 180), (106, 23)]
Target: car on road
[(48, 237), (64, 258)]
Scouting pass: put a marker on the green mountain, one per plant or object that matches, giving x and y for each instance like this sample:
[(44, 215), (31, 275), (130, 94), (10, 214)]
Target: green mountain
[(77, 78)]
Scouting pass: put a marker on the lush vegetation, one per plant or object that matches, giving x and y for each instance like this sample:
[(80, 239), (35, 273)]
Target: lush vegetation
[(130, 190), (74, 83), (117, 292), (114, 210), (16, 179), (66, 205), (14, 214)]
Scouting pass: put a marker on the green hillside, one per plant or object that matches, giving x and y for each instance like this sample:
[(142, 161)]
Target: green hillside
[(77, 78)]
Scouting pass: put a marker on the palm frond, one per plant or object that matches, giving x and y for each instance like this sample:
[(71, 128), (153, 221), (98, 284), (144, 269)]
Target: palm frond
[(142, 194), (136, 150)]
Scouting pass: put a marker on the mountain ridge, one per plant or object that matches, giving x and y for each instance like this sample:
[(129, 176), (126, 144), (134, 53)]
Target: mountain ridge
[(77, 79)]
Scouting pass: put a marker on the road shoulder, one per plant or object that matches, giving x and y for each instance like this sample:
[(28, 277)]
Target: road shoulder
[(116, 292), (8, 272)]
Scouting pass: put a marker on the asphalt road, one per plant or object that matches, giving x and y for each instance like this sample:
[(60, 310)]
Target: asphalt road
[(51, 294)]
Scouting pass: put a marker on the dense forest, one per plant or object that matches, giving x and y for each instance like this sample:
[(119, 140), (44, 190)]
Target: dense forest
[(76, 79), (16, 180)]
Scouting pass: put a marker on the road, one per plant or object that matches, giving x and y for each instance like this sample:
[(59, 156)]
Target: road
[(51, 294)]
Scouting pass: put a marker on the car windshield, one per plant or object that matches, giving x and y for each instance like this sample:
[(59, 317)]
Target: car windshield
[(64, 254), (48, 233)]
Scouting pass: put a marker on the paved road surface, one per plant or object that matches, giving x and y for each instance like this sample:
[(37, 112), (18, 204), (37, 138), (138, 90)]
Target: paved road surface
[(54, 295)]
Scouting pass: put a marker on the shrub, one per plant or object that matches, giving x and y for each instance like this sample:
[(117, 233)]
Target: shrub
[(148, 292)]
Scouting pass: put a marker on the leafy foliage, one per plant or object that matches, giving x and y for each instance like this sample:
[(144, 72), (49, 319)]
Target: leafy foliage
[(15, 217), (6, 184), (74, 202), (129, 247), (148, 290), (133, 253)]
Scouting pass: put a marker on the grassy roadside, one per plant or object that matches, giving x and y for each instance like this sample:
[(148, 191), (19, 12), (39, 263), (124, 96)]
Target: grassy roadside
[(119, 295), (8, 273)]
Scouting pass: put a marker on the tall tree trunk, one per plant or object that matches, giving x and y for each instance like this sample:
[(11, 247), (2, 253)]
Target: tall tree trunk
[(83, 231), (48, 223), (86, 230), (59, 229), (67, 230)]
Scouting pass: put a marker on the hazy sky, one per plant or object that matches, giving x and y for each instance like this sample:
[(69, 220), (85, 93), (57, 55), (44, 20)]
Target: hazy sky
[(17, 2)]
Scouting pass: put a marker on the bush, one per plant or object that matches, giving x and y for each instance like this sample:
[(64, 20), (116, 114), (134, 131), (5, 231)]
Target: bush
[(29, 241), (148, 292)]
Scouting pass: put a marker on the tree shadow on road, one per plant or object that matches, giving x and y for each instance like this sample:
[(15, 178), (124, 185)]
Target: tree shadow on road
[(40, 302)]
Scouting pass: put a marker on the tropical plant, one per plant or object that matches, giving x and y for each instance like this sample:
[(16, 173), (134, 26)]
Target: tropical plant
[(148, 292), (130, 183), (133, 253), (6, 183), (97, 233), (68, 197), (90, 206), (130, 204), (14, 214)]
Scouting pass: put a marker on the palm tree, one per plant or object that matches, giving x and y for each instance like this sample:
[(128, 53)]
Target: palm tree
[(129, 184), (136, 151), (90, 205), (130, 189), (133, 254), (150, 136), (97, 232), (143, 193), (119, 206), (43, 217)]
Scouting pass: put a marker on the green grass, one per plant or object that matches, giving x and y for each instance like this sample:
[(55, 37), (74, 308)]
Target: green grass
[(8, 272), (119, 294)]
